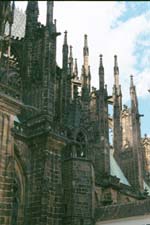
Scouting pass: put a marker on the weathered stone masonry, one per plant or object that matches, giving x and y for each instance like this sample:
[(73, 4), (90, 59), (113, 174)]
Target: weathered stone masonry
[(56, 162)]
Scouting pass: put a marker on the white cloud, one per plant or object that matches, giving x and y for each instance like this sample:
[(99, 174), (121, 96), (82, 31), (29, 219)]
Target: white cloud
[(142, 82), (124, 38)]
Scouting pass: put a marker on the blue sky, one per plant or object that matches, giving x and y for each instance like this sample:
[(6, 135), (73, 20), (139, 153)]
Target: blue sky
[(133, 9), (116, 27)]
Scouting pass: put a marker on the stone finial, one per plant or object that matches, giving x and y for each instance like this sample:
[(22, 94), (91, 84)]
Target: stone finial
[(85, 49), (32, 8), (85, 41), (71, 58), (101, 60), (71, 55), (76, 68), (49, 19), (115, 61), (65, 38), (131, 81)]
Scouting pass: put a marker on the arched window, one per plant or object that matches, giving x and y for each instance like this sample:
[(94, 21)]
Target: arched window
[(81, 145), (18, 186)]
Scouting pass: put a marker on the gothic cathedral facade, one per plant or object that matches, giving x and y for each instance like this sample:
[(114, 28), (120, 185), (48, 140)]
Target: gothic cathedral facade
[(57, 166)]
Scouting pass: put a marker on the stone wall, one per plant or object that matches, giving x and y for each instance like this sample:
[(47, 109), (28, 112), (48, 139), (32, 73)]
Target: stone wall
[(8, 108), (45, 181), (78, 191)]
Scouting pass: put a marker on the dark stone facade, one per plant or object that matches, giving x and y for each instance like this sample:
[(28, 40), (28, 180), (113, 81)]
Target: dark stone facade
[(54, 141)]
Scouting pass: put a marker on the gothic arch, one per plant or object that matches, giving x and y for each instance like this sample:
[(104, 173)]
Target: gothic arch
[(81, 145), (19, 190), (83, 132)]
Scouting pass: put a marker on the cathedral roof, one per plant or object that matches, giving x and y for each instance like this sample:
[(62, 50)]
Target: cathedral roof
[(16, 119), (115, 170)]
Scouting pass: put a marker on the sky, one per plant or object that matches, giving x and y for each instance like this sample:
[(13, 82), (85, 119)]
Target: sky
[(113, 27)]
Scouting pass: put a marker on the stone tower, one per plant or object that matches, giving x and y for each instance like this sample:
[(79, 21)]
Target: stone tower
[(117, 108), (78, 195), (44, 183), (131, 155), (102, 149), (40, 41), (85, 76)]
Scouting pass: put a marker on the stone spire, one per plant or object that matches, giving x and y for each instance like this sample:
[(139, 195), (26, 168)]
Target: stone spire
[(89, 79), (131, 82), (101, 99), (65, 53), (86, 75), (101, 73), (32, 13), (76, 69), (49, 18), (135, 141), (134, 101), (86, 54), (65, 85), (71, 54), (102, 153), (70, 61), (32, 9), (101, 61), (116, 72), (65, 38), (117, 87), (117, 108)]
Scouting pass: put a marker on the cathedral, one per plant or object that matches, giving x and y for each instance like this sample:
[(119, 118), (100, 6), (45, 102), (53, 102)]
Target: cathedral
[(57, 165)]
